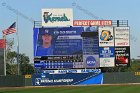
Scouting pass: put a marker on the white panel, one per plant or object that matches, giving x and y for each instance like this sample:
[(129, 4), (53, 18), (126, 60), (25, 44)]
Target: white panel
[(106, 36), (121, 36), (107, 62), (57, 17)]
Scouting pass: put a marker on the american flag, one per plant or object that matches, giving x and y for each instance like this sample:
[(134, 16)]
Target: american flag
[(10, 30)]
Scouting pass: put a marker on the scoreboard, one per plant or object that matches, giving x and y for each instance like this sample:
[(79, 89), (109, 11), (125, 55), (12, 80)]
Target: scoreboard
[(65, 50), (70, 47), (54, 62)]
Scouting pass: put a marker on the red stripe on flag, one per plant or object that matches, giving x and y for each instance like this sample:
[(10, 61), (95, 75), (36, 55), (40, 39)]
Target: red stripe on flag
[(9, 31)]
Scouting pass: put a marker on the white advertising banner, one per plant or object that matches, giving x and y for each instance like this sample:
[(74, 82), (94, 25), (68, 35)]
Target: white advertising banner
[(57, 17), (107, 62), (121, 36), (72, 71), (106, 36)]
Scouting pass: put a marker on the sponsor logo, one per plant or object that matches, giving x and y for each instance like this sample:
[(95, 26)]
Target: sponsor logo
[(123, 34), (106, 52), (106, 43), (49, 17), (122, 43), (106, 35), (106, 60), (90, 61), (122, 29), (122, 59), (37, 81), (126, 39)]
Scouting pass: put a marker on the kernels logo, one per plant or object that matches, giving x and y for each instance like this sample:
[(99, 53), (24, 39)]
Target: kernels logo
[(106, 35), (49, 17)]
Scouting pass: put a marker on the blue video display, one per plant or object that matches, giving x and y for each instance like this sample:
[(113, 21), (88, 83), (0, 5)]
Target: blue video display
[(59, 47)]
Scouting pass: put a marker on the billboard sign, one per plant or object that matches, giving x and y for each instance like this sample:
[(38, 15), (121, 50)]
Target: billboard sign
[(122, 56), (91, 49), (72, 71), (122, 46), (121, 36), (106, 36), (57, 17), (92, 23), (106, 52), (68, 77), (107, 62), (107, 56)]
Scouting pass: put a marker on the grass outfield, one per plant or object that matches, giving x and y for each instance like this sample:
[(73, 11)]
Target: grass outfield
[(76, 89)]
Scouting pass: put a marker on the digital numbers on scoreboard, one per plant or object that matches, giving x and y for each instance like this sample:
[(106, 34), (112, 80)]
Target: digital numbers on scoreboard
[(54, 62)]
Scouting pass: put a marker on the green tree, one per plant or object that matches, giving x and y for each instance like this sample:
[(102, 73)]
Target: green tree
[(25, 67), (11, 61), (11, 57), (11, 69)]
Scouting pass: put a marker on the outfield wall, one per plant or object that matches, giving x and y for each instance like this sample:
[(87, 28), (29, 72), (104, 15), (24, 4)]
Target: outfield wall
[(12, 81), (108, 78), (88, 78), (67, 79), (121, 77)]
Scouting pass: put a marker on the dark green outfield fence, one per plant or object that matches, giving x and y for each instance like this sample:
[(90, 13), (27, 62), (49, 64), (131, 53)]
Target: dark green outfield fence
[(9, 81), (14, 81), (108, 78), (121, 77)]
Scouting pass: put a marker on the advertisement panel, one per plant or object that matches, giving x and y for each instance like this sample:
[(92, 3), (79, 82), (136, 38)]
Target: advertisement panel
[(91, 61), (58, 47), (106, 52), (107, 56), (121, 36), (57, 17), (72, 71), (106, 36), (107, 62), (122, 46), (91, 49), (68, 78), (122, 56), (92, 23)]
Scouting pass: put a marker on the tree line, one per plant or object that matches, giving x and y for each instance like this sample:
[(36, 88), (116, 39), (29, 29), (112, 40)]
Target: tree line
[(11, 63)]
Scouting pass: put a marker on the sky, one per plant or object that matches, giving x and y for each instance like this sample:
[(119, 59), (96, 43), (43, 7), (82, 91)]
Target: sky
[(30, 10)]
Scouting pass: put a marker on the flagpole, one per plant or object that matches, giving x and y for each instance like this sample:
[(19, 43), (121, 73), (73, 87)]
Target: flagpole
[(4, 37), (18, 63)]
